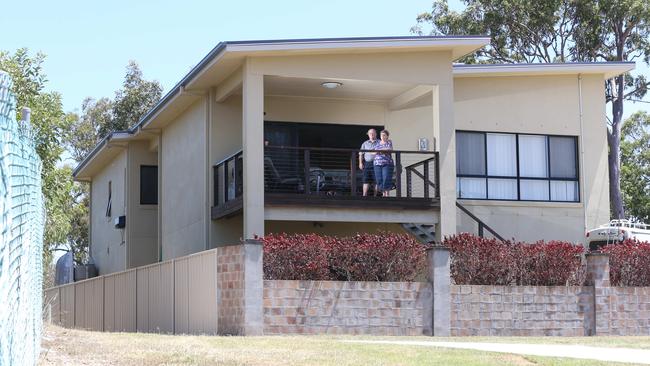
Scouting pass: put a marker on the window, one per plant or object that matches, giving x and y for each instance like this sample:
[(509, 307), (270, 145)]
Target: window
[(507, 166), (148, 184), (110, 199)]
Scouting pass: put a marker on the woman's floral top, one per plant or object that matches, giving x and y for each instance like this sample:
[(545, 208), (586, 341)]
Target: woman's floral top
[(384, 158)]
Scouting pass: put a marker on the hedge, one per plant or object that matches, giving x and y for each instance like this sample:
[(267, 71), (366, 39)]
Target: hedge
[(483, 261), (629, 263), (383, 256)]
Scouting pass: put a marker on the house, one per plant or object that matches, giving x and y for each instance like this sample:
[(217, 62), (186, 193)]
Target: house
[(263, 136)]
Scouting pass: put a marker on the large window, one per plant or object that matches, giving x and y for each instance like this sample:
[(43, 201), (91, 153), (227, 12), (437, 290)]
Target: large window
[(148, 185), (506, 166)]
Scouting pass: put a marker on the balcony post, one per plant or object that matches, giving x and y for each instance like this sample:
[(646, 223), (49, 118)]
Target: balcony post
[(398, 173), (444, 131), (307, 159), (253, 151), (353, 173)]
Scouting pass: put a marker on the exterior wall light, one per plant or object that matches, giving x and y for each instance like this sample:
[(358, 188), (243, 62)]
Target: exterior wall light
[(331, 84)]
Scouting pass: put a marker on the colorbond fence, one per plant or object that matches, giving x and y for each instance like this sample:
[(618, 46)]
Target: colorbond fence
[(177, 296)]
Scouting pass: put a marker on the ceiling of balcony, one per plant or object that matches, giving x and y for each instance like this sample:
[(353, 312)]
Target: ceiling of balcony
[(350, 89)]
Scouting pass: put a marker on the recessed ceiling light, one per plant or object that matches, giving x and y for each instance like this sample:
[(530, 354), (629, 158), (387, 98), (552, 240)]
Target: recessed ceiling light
[(331, 84)]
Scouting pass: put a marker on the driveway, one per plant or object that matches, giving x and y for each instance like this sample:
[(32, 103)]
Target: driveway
[(631, 355)]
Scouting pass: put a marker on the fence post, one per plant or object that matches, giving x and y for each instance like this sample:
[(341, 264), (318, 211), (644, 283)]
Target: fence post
[(253, 287), (438, 275), (598, 279)]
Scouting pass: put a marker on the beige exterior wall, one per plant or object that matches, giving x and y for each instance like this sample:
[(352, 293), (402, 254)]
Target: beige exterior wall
[(541, 105), (141, 220), (225, 140), (184, 183), (330, 228), (108, 244)]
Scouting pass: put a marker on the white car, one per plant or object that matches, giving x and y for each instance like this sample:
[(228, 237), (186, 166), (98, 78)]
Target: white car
[(617, 231)]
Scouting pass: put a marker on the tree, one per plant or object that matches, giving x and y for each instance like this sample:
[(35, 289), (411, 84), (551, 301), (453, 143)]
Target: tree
[(560, 31), (635, 165), (50, 126), (85, 131), (103, 116), (136, 98)]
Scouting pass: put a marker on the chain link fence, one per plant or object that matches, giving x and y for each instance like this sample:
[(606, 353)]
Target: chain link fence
[(21, 236)]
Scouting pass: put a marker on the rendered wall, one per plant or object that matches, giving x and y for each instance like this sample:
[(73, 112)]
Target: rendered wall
[(184, 179), (541, 105), (330, 228), (225, 140), (142, 220), (108, 244)]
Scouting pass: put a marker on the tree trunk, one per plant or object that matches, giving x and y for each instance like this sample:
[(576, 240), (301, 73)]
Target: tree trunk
[(614, 158)]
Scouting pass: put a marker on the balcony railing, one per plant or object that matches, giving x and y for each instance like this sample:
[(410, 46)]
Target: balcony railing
[(327, 173)]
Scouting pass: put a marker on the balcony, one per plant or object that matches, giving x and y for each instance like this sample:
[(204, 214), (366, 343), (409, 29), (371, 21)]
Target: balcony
[(327, 177)]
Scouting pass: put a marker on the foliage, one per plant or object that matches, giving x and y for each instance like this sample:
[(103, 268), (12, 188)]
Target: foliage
[(133, 101), (559, 31), (50, 125), (99, 117), (483, 261), (628, 263), (635, 165), (364, 257), (84, 134)]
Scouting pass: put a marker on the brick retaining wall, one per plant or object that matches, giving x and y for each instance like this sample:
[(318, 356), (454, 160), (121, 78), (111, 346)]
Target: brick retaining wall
[(230, 289), (331, 307), (629, 311), (521, 310)]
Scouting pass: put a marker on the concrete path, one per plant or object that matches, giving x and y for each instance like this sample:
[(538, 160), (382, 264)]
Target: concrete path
[(631, 355)]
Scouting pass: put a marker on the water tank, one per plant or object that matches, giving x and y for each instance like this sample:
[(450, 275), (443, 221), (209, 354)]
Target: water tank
[(64, 269)]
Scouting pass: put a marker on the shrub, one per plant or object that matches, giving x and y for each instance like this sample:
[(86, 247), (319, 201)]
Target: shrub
[(483, 261), (629, 263), (364, 257), (377, 257), (295, 257)]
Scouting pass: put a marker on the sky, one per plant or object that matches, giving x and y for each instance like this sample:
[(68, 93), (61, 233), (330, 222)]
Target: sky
[(89, 43)]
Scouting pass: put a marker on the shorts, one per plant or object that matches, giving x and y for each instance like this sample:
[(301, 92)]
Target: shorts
[(368, 172)]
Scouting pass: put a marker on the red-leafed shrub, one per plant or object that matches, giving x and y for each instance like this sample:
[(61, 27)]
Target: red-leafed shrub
[(295, 257), (629, 263), (483, 261), (364, 257), (377, 257)]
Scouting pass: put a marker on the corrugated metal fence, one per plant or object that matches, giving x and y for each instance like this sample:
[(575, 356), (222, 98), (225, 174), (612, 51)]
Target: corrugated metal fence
[(177, 296), (21, 237)]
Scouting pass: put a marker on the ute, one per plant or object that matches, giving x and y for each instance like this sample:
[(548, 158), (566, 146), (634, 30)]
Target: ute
[(617, 231)]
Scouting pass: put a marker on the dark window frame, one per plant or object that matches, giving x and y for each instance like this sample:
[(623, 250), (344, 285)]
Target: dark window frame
[(519, 178), (143, 187)]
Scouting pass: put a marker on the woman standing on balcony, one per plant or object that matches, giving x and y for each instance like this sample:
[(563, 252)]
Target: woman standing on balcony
[(384, 164)]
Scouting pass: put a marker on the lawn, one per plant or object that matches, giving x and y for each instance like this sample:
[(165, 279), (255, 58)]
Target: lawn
[(75, 347)]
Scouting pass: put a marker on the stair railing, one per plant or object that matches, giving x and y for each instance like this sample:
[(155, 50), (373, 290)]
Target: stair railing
[(482, 226)]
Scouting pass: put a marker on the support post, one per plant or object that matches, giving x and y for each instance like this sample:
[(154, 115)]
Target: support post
[(438, 275), (253, 152), (253, 287), (598, 279)]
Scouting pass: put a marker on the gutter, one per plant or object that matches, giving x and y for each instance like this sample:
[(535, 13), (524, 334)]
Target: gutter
[(100, 145)]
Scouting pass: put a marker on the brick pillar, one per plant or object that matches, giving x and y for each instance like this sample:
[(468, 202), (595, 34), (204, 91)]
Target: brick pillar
[(440, 280), (253, 287), (598, 279)]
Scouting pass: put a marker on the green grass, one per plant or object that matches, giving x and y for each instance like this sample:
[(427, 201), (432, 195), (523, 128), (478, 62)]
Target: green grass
[(72, 347)]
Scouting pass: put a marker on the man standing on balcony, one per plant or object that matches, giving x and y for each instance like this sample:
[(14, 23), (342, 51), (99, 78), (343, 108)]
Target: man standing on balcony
[(366, 161)]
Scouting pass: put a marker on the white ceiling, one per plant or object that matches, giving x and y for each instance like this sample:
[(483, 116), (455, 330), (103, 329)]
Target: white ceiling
[(351, 89)]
